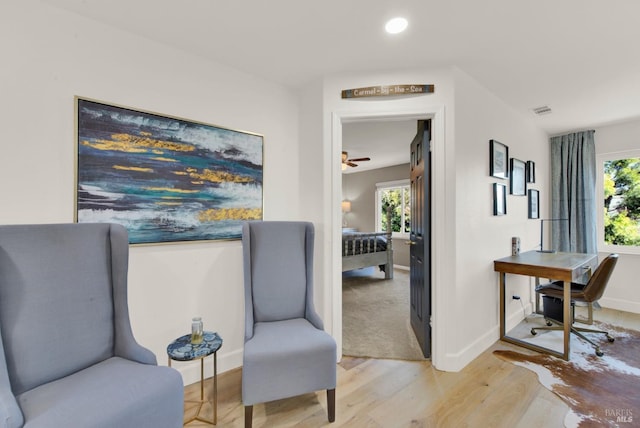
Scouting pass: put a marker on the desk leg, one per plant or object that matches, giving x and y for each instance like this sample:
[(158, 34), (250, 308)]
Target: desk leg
[(502, 308), (567, 317), (537, 296)]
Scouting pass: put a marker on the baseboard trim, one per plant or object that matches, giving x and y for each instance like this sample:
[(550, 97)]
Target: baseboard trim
[(401, 267), (458, 361), (620, 305)]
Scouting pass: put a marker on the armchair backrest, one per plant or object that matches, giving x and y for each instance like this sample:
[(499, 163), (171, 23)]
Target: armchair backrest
[(278, 269), (594, 289), (56, 298)]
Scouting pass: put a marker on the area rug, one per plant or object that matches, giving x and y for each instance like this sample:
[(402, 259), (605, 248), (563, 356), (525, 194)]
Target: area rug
[(375, 316), (600, 391)]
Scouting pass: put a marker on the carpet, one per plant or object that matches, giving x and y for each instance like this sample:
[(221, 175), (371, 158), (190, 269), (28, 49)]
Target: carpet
[(375, 316), (600, 391)]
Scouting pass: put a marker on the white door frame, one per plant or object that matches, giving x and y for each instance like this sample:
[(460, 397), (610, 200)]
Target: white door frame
[(439, 239)]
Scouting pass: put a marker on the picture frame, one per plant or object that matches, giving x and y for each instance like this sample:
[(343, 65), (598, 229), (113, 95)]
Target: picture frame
[(517, 177), (499, 199), (165, 179), (531, 171), (534, 204), (498, 159)]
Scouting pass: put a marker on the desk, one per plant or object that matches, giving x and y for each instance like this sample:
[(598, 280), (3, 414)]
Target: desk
[(566, 267)]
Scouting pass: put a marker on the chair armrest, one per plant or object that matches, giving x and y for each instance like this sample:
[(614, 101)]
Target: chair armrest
[(130, 349), (10, 413)]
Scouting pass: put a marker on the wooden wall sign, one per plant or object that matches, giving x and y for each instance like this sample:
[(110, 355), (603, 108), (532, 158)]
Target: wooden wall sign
[(387, 91)]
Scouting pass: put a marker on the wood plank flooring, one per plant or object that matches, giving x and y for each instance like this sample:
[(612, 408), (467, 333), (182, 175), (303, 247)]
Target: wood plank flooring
[(376, 393)]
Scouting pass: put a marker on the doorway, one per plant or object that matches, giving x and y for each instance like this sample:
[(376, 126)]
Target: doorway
[(441, 255), (386, 141)]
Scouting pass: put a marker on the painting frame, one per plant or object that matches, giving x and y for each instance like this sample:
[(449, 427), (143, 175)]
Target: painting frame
[(499, 199), (498, 159), (533, 204), (517, 179), (531, 171), (166, 179)]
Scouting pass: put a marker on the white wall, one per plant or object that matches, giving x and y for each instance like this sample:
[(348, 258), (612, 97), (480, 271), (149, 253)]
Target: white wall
[(482, 237), (337, 111), (48, 57), (466, 236), (622, 292)]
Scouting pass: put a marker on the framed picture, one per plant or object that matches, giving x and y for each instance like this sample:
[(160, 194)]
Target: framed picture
[(534, 203), (517, 178), (164, 178), (531, 172), (498, 159), (499, 199)]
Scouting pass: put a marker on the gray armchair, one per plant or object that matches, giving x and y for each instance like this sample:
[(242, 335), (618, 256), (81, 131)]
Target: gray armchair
[(286, 350), (68, 356)]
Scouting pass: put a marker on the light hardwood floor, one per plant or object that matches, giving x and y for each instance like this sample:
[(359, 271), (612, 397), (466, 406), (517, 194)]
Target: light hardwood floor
[(371, 393)]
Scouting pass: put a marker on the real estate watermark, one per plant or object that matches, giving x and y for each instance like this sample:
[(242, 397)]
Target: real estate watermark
[(620, 415)]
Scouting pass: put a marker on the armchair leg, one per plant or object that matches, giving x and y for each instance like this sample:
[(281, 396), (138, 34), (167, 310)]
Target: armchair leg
[(248, 416), (331, 404)]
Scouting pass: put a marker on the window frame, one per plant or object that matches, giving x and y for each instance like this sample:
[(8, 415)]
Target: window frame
[(386, 186), (600, 160)]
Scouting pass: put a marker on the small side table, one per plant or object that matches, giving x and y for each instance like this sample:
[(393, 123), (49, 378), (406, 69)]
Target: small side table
[(182, 349)]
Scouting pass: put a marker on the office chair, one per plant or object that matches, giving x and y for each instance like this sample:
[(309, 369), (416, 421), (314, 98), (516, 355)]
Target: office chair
[(588, 293)]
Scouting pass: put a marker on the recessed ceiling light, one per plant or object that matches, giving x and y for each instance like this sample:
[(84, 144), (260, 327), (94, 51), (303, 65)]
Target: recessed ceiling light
[(396, 25)]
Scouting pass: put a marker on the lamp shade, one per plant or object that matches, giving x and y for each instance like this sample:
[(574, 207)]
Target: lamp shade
[(346, 206)]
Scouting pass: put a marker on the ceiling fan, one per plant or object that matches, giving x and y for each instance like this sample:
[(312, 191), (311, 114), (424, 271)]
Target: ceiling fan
[(351, 162)]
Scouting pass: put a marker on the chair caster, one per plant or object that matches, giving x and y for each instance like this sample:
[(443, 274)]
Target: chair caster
[(599, 353), (533, 331), (549, 323), (610, 339)]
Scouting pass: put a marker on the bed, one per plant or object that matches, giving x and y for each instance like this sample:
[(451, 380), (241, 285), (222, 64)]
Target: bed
[(364, 249)]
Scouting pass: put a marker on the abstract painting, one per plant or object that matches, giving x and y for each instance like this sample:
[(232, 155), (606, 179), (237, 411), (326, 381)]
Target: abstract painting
[(165, 179)]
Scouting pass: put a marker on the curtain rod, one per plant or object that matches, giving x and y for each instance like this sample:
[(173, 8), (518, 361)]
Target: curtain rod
[(572, 132)]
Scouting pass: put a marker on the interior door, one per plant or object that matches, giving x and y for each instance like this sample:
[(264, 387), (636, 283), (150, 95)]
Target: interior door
[(420, 236)]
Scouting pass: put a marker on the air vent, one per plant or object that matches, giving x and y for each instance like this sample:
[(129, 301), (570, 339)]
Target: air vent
[(542, 110)]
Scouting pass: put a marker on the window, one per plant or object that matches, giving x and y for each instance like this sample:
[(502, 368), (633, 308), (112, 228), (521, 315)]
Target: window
[(394, 197), (619, 187)]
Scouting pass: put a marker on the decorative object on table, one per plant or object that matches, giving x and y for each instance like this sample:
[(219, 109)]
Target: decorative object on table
[(196, 330), (498, 159), (531, 171), (69, 358), (517, 177), (286, 350), (182, 349), (165, 179), (499, 199), (600, 392), (534, 203)]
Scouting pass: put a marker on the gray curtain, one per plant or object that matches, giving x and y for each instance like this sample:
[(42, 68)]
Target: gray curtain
[(573, 183)]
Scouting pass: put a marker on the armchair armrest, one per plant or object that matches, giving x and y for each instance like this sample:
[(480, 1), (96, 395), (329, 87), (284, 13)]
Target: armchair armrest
[(10, 413)]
